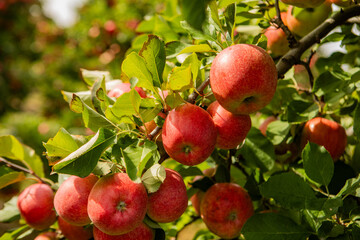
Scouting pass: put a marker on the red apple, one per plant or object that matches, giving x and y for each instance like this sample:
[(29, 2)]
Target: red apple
[(277, 42), (189, 134), (36, 206), (46, 236), (327, 133), (302, 21), (72, 232), (116, 204), (142, 232), (232, 129), (304, 3), (110, 27), (225, 208), (122, 88), (169, 202), (71, 199), (243, 78)]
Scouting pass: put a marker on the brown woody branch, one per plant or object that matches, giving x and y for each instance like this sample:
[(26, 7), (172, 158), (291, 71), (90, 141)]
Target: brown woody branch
[(293, 56)]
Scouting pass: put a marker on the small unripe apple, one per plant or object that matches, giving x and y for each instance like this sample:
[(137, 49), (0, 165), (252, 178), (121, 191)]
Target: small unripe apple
[(304, 3), (36, 206), (142, 232), (243, 78), (170, 201), (232, 129), (189, 134), (122, 88), (71, 199), (72, 232), (327, 133), (46, 236), (225, 208), (116, 204)]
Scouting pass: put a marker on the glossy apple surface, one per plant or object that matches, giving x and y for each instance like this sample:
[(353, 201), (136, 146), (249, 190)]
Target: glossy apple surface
[(189, 134), (71, 199), (142, 232), (225, 208), (122, 88), (116, 204), (36, 206), (304, 3), (169, 202), (232, 129), (72, 232), (327, 133), (243, 78)]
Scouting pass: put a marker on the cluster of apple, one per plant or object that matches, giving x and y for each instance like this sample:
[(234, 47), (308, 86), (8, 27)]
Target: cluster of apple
[(114, 204)]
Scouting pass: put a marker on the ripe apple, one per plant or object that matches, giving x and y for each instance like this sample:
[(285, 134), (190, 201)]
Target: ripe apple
[(189, 134), (71, 199), (36, 206), (46, 236), (327, 133), (72, 232), (122, 88), (197, 197), (277, 42), (116, 204), (304, 3), (142, 232), (169, 202), (232, 129), (243, 78), (301, 75), (225, 208), (110, 27), (301, 21)]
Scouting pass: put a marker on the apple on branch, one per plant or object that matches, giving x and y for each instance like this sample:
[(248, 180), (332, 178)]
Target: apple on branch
[(72, 232)]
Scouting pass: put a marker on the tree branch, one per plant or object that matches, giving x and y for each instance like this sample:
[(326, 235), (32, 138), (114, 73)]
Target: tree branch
[(199, 90), (293, 56)]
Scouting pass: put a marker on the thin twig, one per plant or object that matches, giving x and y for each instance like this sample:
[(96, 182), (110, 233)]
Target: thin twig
[(199, 90)]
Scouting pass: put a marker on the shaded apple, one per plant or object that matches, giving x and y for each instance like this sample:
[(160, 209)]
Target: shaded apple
[(301, 75), (71, 199), (122, 88), (142, 232), (225, 208), (116, 204), (189, 134), (170, 201), (232, 129), (110, 27), (72, 232), (36, 206), (277, 42), (46, 236), (327, 133), (304, 3), (243, 78)]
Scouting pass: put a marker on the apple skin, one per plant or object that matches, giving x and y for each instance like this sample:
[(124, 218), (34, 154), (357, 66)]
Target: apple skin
[(122, 88), (303, 21), (327, 133), (232, 129), (116, 204), (36, 206), (142, 232), (71, 199), (277, 42), (170, 201), (304, 3), (189, 134), (46, 236), (72, 232), (225, 208), (243, 78), (110, 27)]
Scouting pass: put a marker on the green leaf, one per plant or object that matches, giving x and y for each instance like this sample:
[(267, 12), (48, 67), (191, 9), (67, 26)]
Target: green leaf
[(300, 111), (135, 66), (128, 104), (60, 146), (174, 100), (153, 178), (194, 12), (83, 161), (225, 3), (8, 176), (90, 77), (201, 48), (96, 102), (271, 226), (10, 212), (351, 187), (180, 79), (186, 171), (13, 149), (192, 61), (214, 12), (173, 49), (258, 151), (13, 235), (327, 207), (196, 34), (153, 52), (326, 83), (357, 121), (277, 131), (318, 163), (289, 190), (164, 29)]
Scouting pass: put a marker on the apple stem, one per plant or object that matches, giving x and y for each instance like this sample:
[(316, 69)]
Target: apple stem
[(18, 167)]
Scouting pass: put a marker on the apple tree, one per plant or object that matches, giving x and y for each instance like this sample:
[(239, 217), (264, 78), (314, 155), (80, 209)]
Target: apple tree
[(230, 120)]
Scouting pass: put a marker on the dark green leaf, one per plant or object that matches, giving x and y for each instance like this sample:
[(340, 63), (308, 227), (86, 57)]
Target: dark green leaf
[(326, 83), (300, 111), (351, 187), (194, 12), (186, 171), (10, 212), (357, 121), (277, 131)]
